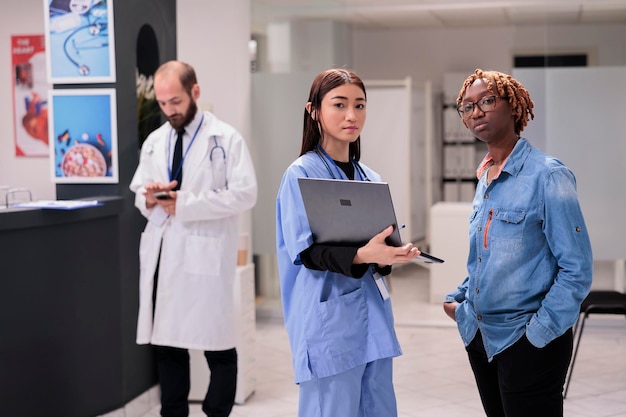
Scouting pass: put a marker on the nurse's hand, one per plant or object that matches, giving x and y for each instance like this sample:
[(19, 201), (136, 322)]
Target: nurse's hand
[(376, 251)]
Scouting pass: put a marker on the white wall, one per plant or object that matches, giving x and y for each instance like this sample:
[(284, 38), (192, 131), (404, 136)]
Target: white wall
[(33, 172), (213, 37), (426, 54), (571, 130)]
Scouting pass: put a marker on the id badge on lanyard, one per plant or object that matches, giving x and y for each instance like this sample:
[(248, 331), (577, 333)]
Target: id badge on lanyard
[(382, 287)]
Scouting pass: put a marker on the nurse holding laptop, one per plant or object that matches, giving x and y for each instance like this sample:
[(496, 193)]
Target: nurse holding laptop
[(336, 305)]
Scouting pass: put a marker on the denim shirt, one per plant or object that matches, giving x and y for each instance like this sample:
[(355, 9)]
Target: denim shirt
[(530, 262)]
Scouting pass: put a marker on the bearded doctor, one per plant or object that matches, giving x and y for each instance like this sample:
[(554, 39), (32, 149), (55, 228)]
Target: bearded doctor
[(195, 176)]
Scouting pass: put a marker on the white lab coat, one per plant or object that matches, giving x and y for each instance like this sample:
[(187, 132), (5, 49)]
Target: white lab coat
[(198, 245)]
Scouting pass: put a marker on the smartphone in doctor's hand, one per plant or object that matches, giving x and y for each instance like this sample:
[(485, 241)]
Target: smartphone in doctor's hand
[(162, 195)]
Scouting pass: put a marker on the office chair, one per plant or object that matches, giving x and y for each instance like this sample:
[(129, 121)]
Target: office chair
[(597, 302)]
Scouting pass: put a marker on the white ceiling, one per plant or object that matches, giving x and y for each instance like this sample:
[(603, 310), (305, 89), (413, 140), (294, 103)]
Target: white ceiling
[(385, 14)]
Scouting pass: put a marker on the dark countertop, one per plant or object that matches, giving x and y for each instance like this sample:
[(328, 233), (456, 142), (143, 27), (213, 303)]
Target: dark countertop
[(21, 218)]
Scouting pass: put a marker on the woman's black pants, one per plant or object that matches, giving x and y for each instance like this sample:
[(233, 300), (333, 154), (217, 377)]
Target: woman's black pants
[(523, 380)]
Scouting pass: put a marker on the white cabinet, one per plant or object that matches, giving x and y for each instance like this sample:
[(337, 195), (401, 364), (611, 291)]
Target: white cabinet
[(449, 240), (246, 327)]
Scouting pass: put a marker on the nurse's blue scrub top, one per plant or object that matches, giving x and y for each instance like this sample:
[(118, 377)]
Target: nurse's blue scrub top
[(334, 322)]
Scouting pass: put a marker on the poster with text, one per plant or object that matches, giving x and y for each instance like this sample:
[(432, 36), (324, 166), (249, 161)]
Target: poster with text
[(30, 95), (80, 45), (83, 136)]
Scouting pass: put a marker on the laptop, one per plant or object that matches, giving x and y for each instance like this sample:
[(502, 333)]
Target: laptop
[(351, 212)]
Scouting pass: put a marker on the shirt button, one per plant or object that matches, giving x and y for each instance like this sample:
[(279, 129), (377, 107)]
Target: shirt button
[(578, 228), (480, 259), (479, 317), (477, 290), (480, 228), (486, 196)]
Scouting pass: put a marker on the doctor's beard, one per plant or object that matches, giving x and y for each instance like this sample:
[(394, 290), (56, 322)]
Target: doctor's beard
[(178, 121)]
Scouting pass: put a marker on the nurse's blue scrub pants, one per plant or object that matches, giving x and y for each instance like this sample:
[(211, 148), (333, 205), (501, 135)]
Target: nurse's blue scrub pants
[(365, 391)]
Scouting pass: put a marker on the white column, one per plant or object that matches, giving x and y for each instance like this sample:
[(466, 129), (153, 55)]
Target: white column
[(213, 37)]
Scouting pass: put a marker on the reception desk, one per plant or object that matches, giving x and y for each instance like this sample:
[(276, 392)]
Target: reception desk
[(67, 320)]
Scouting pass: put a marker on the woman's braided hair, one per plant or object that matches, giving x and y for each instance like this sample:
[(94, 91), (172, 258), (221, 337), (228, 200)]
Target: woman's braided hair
[(505, 87)]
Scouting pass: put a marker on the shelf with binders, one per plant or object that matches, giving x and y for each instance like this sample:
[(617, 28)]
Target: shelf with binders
[(462, 153)]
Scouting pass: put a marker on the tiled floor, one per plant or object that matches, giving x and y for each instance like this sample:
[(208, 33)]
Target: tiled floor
[(432, 377)]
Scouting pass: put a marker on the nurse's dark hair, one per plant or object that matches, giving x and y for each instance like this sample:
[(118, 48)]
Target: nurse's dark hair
[(322, 84), (505, 86), (186, 73)]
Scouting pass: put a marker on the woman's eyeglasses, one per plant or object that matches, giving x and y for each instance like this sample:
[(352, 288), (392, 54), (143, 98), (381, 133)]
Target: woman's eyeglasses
[(485, 104)]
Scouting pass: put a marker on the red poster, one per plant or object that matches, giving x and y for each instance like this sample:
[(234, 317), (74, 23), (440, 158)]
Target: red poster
[(30, 95)]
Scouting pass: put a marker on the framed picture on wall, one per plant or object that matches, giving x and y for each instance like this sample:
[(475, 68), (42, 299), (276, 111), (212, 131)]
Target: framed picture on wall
[(30, 95), (83, 135), (80, 45)]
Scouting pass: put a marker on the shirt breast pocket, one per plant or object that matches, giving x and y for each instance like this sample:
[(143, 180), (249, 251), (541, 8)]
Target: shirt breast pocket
[(508, 229)]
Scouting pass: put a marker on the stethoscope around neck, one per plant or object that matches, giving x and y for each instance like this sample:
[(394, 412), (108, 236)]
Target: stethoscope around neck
[(217, 147), (326, 158), (217, 158), (216, 166)]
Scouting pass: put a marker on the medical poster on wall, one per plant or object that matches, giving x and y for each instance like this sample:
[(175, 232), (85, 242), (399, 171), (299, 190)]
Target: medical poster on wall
[(30, 95), (79, 41), (83, 136)]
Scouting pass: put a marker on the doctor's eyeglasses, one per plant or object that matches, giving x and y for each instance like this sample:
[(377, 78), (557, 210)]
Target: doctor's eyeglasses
[(485, 104)]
